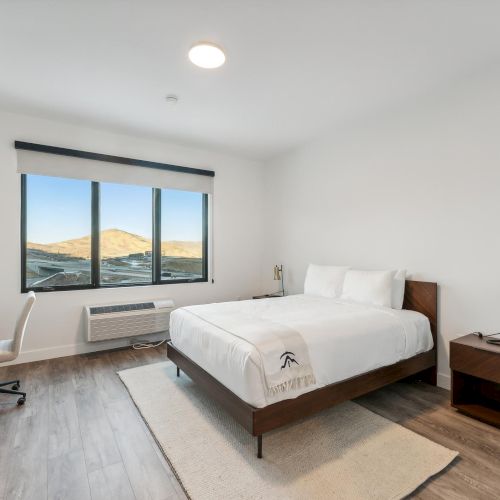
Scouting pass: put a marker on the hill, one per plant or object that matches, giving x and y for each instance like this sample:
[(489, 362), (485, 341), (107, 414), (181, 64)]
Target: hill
[(118, 243)]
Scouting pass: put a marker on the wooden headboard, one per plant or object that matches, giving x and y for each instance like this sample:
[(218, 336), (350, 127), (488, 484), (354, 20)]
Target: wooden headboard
[(421, 296)]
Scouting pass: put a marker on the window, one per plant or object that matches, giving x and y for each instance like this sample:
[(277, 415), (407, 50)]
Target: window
[(58, 226), (83, 234), (126, 234), (181, 235)]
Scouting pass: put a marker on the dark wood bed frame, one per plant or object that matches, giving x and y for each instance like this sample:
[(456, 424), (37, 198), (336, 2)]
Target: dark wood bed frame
[(419, 296)]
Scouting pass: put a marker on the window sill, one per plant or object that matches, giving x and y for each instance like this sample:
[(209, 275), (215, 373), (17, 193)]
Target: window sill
[(101, 287)]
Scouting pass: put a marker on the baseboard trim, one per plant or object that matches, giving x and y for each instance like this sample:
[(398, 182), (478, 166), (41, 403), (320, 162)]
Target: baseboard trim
[(73, 350), (444, 380)]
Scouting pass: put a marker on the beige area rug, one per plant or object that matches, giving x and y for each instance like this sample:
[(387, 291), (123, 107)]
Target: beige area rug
[(347, 452)]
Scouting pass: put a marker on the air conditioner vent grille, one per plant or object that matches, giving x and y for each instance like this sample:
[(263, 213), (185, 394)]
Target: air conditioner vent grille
[(121, 308), (129, 319), (128, 326)]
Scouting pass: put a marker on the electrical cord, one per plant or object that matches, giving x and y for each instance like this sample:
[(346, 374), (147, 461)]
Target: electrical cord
[(148, 345), (495, 341), (482, 335)]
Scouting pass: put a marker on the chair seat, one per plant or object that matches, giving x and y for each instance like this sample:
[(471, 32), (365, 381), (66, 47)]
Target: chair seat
[(7, 350)]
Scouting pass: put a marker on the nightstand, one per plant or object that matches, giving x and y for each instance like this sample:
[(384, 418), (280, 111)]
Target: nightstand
[(475, 378)]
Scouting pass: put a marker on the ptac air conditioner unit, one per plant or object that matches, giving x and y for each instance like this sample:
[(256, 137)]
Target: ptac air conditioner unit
[(115, 321)]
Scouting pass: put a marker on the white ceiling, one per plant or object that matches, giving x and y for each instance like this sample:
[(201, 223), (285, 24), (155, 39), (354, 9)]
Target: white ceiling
[(293, 67)]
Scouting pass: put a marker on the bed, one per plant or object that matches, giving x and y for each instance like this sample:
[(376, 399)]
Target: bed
[(354, 349)]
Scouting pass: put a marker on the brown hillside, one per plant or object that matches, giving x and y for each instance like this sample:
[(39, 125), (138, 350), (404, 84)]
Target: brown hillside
[(117, 243)]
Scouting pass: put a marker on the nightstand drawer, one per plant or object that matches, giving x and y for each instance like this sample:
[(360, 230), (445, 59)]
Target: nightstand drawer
[(476, 362)]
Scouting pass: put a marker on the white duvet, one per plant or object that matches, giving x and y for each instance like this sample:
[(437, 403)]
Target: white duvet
[(344, 340)]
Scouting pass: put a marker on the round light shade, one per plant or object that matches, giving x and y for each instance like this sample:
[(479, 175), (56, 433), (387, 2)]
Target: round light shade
[(207, 55)]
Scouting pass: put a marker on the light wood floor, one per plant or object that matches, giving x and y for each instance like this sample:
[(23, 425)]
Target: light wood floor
[(79, 435)]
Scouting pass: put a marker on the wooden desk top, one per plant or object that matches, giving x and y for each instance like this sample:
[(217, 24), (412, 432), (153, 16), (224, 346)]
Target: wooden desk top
[(472, 340)]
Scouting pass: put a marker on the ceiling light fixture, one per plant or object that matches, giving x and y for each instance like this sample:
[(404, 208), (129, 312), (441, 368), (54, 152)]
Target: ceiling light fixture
[(207, 55)]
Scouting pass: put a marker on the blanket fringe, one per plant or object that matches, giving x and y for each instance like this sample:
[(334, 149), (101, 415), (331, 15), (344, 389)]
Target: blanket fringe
[(294, 383)]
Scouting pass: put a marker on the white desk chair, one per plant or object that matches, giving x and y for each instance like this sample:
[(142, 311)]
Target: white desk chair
[(9, 349)]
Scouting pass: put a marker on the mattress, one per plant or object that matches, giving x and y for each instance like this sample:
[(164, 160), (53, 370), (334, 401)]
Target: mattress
[(344, 340)]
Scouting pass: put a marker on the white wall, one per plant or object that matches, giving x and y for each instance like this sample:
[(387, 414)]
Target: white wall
[(417, 188), (56, 326)]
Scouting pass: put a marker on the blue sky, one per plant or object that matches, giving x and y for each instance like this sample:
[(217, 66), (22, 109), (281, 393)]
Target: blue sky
[(59, 209)]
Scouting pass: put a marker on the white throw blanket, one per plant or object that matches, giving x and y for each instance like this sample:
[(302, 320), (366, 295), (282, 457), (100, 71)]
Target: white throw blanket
[(283, 353)]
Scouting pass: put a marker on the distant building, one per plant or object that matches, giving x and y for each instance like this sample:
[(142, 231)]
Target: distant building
[(136, 255)]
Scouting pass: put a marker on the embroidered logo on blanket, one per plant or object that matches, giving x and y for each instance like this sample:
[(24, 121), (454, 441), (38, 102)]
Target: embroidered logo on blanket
[(288, 359)]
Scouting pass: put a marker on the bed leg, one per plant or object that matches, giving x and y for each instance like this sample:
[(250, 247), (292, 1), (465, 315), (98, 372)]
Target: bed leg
[(178, 372), (259, 446), (429, 376)]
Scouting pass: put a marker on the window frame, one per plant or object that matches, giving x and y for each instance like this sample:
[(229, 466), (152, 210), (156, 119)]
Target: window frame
[(157, 241), (95, 245)]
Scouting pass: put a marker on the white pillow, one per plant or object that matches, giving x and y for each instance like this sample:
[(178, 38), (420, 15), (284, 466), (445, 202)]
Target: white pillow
[(398, 289), (369, 287), (325, 281)]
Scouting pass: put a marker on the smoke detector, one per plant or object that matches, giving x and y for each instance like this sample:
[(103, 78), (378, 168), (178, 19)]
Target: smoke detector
[(172, 99)]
